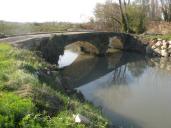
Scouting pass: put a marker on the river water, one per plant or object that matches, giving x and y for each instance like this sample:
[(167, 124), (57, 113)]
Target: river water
[(131, 90)]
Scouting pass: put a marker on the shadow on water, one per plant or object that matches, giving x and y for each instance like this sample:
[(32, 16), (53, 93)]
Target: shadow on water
[(135, 94), (90, 69)]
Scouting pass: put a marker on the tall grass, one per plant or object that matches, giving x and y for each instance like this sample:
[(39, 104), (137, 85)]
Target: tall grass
[(28, 100)]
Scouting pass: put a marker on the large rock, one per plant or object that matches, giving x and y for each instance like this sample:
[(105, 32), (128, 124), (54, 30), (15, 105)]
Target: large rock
[(164, 47), (169, 42), (169, 46), (159, 43), (153, 47), (161, 47), (164, 53), (157, 50)]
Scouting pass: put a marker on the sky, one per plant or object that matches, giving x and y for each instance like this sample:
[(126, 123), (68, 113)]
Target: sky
[(47, 10)]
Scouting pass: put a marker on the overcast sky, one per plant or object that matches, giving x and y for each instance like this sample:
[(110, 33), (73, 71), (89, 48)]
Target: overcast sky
[(47, 10)]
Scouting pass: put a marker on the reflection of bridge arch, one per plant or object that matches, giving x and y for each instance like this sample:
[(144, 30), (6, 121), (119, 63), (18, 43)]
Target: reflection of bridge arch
[(82, 72), (119, 75)]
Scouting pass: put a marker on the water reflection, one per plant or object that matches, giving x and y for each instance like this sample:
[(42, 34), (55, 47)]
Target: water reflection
[(68, 58), (88, 68), (133, 91), (136, 94)]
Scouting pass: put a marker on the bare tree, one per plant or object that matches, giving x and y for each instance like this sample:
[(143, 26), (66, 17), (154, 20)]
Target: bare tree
[(108, 16), (166, 9), (124, 15)]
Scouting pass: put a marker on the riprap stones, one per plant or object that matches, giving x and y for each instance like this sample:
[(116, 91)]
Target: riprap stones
[(159, 47)]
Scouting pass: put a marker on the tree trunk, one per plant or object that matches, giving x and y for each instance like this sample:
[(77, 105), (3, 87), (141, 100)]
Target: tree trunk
[(124, 17)]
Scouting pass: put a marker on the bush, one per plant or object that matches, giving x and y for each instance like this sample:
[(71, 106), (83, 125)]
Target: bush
[(13, 109), (34, 121), (19, 76), (136, 19)]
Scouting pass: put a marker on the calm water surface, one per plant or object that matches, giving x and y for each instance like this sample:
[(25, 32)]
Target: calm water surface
[(67, 59), (132, 91)]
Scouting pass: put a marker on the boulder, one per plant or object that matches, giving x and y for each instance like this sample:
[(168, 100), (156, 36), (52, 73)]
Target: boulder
[(169, 42), (157, 50), (169, 46), (169, 51), (153, 47), (164, 53), (164, 47), (159, 43), (164, 42)]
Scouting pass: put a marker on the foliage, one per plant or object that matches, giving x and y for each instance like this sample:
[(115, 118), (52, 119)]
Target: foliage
[(12, 28), (108, 16), (124, 17), (166, 9), (28, 100), (34, 121), (13, 109), (150, 37), (136, 19)]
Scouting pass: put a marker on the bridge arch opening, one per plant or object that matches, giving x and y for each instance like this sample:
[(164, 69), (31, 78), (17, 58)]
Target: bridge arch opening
[(76, 52), (82, 47)]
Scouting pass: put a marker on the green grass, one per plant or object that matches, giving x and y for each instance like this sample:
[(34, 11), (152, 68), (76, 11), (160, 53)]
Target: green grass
[(13, 109), (150, 37), (12, 28), (31, 99)]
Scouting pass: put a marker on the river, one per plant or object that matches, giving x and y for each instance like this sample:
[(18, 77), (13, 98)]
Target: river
[(132, 91)]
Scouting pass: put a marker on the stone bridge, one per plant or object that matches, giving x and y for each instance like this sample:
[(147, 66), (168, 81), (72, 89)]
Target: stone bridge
[(95, 43)]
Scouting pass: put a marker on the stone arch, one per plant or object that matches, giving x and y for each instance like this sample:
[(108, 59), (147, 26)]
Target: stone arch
[(53, 47), (95, 43), (83, 46)]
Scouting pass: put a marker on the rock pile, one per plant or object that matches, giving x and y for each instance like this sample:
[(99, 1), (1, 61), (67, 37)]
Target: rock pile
[(159, 47)]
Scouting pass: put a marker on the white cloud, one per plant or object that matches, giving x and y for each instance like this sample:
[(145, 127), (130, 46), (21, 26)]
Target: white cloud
[(47, 10)]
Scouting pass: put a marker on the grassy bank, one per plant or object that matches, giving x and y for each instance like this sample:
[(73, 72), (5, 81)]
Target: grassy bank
[(31, 95), (150, 37)]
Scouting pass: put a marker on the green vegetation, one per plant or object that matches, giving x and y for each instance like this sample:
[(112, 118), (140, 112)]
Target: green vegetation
[(29, 98), (136, 19), (128, 17), (164, 37), (11, 28)]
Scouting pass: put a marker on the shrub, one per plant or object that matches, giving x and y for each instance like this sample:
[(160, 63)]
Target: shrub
[(12, 109), (34, 121), (136, 19)]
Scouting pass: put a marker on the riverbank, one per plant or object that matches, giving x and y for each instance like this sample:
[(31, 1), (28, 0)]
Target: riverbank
[(157, 44), (31, 94)]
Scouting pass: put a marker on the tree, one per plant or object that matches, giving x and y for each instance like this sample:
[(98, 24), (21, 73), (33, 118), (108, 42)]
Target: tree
[(108, 16), (166, 9), (124, 15), (133, 16)]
